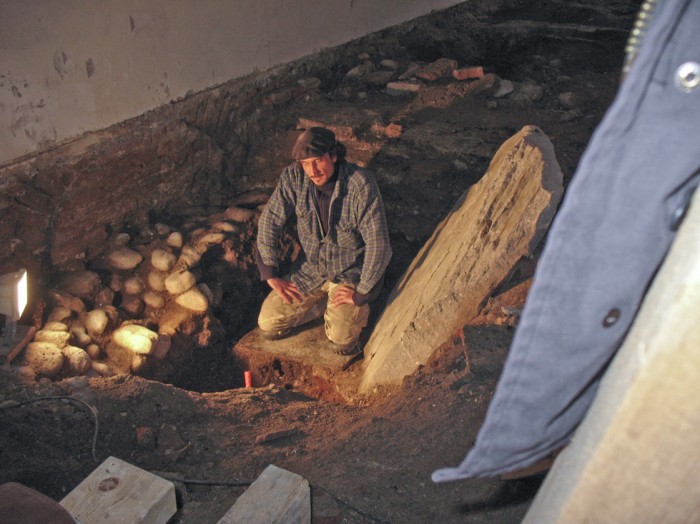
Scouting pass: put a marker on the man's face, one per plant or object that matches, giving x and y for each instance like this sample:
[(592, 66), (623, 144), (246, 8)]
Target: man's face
[(319, 169)]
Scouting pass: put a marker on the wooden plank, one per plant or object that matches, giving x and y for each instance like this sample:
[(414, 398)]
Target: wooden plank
[(117, 492), (635, 457), (276, 497)]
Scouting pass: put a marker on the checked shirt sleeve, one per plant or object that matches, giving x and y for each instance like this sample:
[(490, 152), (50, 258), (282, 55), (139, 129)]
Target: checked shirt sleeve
[(375, 234), (278, 209)]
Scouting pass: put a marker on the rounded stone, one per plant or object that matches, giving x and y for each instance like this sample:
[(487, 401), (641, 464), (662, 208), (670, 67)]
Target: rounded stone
[(132, 306), (59, 314), (226, 227), (77, 360), (45, 358), (163, 260), (175, 240), (156, 280), (239, 214), (53, 325), (209, 239), (180, 282), (104, 297), (124, 258), (162, 229), (82, 284), (121, 239), (136, 338), (94, 351), (102, 369), (57, 338), (80, 335), (153, 300), (189, 257), (193, 300), (133, 286), (96, 322)]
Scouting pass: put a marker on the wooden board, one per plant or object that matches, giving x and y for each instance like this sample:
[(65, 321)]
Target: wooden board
[(276, 497), (117, 492)]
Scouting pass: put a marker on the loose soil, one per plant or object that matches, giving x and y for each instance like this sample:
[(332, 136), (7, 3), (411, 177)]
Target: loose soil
[(368, 460)]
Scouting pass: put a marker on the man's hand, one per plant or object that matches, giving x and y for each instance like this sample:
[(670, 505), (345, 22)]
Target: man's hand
[(342, 295), (284, 288)]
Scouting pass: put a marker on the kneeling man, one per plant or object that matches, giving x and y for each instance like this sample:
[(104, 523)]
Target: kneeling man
[(345, 249)]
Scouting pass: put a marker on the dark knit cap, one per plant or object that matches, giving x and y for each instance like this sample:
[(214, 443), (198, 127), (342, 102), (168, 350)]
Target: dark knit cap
[(314, 142)]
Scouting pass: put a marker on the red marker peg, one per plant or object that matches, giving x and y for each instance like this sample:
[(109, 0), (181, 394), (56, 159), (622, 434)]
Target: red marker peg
[(248, 377)]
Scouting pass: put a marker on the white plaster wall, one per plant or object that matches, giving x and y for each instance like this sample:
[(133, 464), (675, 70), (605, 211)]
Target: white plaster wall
[(71, 66)]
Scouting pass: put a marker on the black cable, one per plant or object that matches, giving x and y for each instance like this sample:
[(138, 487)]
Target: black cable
[(92, 410)]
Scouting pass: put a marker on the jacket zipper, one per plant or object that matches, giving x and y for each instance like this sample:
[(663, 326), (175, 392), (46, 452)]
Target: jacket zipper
[(639, 31)]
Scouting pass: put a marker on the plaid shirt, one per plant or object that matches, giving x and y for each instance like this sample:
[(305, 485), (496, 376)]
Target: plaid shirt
[(356, 249)]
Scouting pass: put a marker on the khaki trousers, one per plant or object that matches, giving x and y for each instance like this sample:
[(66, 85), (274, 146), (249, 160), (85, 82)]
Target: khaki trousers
[(343, 324)]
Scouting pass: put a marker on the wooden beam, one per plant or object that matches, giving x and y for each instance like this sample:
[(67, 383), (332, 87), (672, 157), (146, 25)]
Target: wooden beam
[(635, 457), (117, 492), (276, 497)]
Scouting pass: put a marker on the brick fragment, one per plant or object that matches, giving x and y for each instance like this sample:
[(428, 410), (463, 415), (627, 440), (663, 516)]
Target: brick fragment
[(468, 73)]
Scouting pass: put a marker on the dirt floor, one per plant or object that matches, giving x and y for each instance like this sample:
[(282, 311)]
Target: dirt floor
[(368, 460)]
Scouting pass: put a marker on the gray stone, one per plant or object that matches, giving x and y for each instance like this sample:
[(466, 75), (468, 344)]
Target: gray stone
[(57, 338), (193, 300), (82, 284), (45, 358), (96, 322), (379, 78), (137, 339), (104, 297), (156, 280), (94, 351), (180, 282), (208, 239), (153, 300), (79, 335), (132, 306), (53, 325), (163, 260), (505, 87), (124, 258), (497, 221), (67, 300), (226, 227), (102, 369), (77, 360), (59, 314), (175, 240), (360, 70), (527, 94), (251, 198), (162, 229), (239, 214), (133, 286), (189, 257), (121, 239)]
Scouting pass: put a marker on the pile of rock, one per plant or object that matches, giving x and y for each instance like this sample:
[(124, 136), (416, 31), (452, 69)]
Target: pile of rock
[(143, 302), (399, 80)]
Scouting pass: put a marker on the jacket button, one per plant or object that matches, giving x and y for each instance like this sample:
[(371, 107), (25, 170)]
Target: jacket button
[(612, 317), (687, 76)]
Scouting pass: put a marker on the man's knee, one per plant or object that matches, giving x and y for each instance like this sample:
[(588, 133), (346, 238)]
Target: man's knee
[(345, 323)]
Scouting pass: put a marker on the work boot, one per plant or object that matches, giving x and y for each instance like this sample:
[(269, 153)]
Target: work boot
[(275, 335), (346, 349)]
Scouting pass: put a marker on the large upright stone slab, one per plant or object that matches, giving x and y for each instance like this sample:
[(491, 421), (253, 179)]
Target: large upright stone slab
[(495, 223)]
